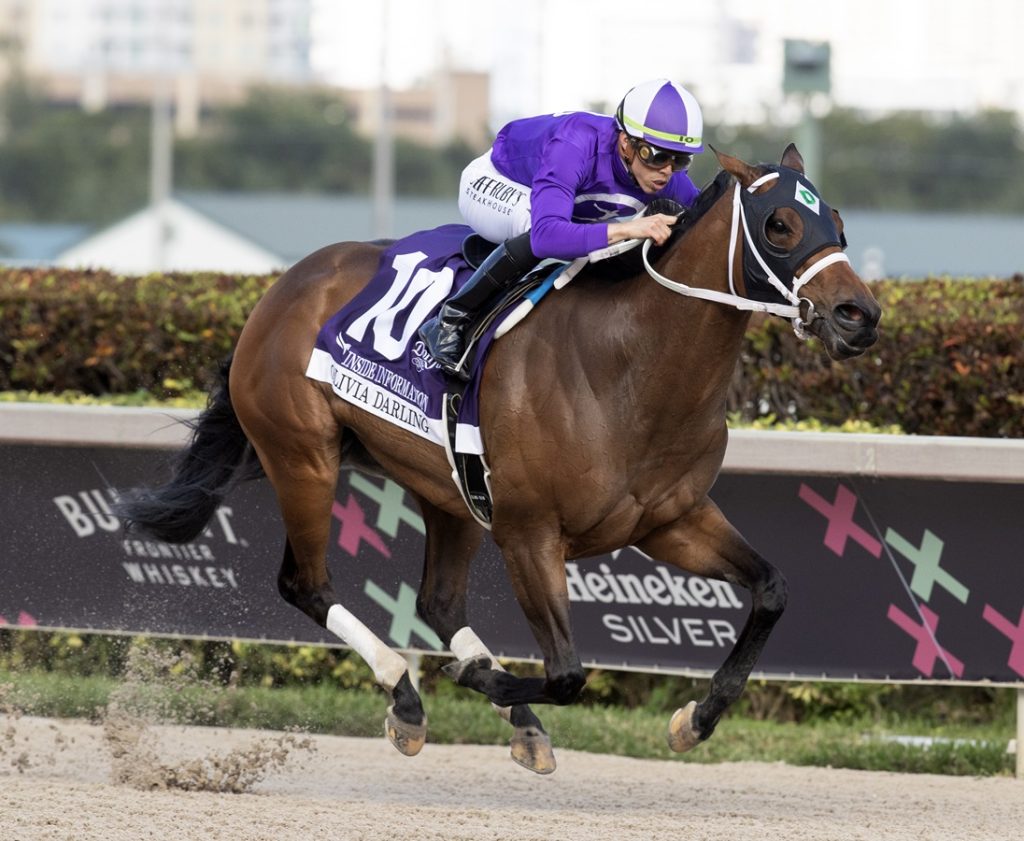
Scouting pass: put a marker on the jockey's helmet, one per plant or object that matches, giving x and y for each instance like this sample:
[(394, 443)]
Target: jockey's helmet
[(663, 114)]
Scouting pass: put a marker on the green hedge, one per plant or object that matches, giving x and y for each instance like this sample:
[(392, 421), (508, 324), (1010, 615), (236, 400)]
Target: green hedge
[(947, 363), (98, 333)]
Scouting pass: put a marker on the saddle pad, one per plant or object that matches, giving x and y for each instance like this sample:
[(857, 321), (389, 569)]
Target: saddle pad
[(372, 356)]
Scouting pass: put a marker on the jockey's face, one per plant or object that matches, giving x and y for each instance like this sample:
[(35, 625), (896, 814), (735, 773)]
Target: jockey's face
[(650, 179)]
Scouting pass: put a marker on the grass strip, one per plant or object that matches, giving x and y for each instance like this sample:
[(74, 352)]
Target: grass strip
[(640, 733)]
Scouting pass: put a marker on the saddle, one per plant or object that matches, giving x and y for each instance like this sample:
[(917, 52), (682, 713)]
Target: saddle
[(476, 249)]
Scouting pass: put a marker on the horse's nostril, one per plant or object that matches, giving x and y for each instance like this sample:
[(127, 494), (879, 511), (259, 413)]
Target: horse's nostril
[(851, 317)]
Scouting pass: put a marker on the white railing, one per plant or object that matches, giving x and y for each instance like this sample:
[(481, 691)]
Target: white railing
[(750, 451)]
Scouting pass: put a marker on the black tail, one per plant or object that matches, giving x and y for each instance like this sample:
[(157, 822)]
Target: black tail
[(218, 457)]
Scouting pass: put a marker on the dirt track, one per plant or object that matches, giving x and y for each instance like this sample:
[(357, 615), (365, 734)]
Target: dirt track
[(363, 789)]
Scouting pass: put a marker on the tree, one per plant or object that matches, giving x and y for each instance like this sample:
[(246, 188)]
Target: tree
[(277, 140), (58, 163), (901, 161)]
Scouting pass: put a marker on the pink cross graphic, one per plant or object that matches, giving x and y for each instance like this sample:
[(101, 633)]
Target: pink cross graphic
[(1015, 633), (927, 652), (840, 520), (26, 620), (354, 529)]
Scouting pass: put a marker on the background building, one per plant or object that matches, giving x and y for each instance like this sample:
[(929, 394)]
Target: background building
[(452, 63), (102, 53), (456, 70)]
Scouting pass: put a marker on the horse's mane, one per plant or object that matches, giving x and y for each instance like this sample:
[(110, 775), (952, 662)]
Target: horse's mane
[(631, 263), (711, 193)]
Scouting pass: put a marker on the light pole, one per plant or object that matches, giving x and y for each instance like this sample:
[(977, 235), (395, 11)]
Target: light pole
[(384, 144), (161, 166), (806, 72)]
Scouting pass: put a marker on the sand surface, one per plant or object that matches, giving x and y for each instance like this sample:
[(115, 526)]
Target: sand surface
[(58, 780)]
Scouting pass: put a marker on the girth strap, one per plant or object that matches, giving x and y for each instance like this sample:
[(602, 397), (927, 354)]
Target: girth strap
[(469, 470)]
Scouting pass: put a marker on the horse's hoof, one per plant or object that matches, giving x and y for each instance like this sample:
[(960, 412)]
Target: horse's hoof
[(682, 735), (532, 749), (408, 738)]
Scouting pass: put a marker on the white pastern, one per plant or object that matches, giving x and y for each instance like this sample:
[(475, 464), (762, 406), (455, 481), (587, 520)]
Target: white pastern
[(466, 645), (388, 666)]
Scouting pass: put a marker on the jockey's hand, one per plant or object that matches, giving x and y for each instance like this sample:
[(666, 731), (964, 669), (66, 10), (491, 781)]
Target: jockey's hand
[(656, 227)]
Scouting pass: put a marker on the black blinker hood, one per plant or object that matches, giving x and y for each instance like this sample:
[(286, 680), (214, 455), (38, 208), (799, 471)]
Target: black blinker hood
[(790, 189)]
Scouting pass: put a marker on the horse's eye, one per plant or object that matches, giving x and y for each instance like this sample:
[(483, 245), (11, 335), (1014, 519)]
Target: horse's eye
[(777, 226)]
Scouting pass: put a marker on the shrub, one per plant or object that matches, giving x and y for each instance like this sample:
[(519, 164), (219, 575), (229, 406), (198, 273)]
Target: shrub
[(948, 361), (98, 333)]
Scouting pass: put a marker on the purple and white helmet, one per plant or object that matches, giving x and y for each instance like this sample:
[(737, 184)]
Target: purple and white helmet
[(664, 114)]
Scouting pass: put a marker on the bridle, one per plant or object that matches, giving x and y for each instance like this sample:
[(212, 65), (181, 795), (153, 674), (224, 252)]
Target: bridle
[(789, 292)]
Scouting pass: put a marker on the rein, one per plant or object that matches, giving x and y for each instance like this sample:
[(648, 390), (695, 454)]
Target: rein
[(737, 301)]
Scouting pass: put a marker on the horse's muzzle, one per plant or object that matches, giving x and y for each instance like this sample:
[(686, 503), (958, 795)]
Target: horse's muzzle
[(849, 328)]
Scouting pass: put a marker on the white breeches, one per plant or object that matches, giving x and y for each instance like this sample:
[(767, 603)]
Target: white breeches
[(494, 206)]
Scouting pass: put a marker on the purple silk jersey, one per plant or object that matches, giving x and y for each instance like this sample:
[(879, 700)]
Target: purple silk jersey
[(578, 181)]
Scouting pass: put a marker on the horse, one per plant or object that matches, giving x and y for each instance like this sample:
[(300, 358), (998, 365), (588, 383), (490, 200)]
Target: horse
[(603, 417)]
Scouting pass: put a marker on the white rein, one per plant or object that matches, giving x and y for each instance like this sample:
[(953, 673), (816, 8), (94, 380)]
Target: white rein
[(731, 298)]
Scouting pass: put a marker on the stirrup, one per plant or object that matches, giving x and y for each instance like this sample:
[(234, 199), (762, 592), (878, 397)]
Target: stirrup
[(446, 346), (454, 368), (451, 366)]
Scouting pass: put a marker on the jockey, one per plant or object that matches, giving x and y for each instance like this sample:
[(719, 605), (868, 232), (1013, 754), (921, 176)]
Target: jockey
[(556, 186)]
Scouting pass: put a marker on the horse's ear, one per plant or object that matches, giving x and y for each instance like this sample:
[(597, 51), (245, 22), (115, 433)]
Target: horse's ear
[(840, 228), (740, 170), (793, 159)]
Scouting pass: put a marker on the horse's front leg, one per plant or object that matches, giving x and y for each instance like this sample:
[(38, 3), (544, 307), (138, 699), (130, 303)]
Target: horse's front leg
[(704, 543), (451, 545)]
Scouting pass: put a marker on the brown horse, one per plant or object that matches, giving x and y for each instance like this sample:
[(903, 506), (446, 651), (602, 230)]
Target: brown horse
[(617, 443)]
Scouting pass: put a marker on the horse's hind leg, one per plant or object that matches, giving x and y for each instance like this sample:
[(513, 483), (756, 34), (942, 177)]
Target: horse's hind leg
[(452, 543), (536, 567), (703, 542), (304, 473)]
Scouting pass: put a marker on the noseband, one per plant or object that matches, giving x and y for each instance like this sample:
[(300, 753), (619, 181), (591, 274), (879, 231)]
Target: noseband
[(763, 263)]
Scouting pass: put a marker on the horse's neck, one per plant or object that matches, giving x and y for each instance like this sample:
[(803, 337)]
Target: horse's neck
[(693, 344), (655, 365)]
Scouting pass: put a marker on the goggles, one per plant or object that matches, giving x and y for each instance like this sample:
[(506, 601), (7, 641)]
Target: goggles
[(656, 158)]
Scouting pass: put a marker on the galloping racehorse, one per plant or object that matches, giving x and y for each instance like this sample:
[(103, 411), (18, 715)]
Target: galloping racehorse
[(603, 417)]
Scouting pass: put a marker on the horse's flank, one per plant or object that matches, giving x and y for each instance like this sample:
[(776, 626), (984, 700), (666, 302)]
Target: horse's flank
[(284, 324), (572, 378)]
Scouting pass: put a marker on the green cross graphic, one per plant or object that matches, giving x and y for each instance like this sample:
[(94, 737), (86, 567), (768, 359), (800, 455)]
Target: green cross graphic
[(926, 566), (404, 621), (392, 509)]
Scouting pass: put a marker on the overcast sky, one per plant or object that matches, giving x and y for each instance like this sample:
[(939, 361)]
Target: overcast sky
[(547, 55)]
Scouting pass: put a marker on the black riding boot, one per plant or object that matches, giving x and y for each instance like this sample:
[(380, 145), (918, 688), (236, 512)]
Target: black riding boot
[(445, 334)]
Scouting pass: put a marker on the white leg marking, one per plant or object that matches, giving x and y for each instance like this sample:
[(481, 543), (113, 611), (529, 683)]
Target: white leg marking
[(466, 644), (388, 666)]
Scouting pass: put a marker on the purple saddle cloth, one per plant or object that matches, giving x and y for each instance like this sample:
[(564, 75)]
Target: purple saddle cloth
[(371, 353)]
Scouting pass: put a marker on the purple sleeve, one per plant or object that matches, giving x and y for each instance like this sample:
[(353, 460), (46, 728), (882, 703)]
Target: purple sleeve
[(562, 168)]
